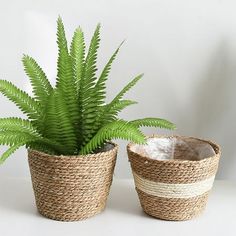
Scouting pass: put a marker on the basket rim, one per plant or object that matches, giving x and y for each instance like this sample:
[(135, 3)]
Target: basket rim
[(112, 150), (215, 146)]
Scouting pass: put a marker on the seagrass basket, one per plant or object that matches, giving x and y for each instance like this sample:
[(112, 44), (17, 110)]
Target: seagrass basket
[(177, 188), (70, 188)]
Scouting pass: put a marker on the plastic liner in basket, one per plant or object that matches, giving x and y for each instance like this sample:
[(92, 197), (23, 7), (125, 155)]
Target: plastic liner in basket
[(168, 148)]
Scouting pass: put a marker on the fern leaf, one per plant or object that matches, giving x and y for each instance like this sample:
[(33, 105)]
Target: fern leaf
[(64, 68), (10, 151), (100, 85), (15, 139), (153, 122), (87, 101), (65, 79), (48, 146), (91, 59), (116, 108), (58, 126), (51, 126), (27, 104), (42, 147), (41, 86), (17, 124), (119, 129), (108, 112), (125, 90), (67, 132), (77, 52), (11, 138), (16, 132), (107, 117)]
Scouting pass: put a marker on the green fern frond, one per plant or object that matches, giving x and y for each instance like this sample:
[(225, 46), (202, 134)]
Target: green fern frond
[(77, 52), (65, 78), (125, 90), (61, 38), (107, 113), (101, 83), (41, 86), (42, 147), (16, 138), (51, 126), (64, 65), (91, 58), (118, 129), (117, 107), (9, 152), (87, 101), (51, 147), (120, 105), (58, 126), (27, 104), (11, 138), (105, 118), (67, 131), (18, 125), (153, 122)]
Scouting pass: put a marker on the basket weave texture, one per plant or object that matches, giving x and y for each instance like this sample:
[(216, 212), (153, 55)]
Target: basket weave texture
[(71, 188), (173, 189)]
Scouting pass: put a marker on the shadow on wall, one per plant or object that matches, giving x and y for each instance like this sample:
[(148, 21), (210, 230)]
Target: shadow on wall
[(213, 108), (212, 114), (213, 103)]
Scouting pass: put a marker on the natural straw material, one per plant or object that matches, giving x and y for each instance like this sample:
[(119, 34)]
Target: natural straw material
[(173, 189), (70, 188)]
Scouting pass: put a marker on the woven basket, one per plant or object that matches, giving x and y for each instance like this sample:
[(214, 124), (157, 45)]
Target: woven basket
[(70, 188), (173, 189)]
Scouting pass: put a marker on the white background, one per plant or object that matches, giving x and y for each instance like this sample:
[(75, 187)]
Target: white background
[(186, 48)]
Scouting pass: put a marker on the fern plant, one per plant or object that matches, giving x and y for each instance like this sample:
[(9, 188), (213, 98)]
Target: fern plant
[(71, 118)]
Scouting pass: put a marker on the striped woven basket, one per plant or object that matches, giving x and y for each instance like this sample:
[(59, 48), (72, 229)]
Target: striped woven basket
[(175, 189), (70, 188)]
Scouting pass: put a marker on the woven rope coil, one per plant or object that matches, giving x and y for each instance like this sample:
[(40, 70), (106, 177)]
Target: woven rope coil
[(70, 188), (173, 189)]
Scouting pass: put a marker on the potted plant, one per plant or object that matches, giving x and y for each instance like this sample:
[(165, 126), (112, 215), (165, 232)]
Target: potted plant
[(69, 129), (173, 175)]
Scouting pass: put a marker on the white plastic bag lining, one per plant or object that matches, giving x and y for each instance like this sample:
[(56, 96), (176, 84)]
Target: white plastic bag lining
[(175, 148)]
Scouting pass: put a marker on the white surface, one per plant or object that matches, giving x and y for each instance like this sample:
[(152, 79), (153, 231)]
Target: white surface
[(123, 215), (186, 49)]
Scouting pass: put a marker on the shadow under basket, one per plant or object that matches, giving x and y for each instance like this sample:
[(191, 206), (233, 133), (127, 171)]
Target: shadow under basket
[(70, 188), (173, 175)]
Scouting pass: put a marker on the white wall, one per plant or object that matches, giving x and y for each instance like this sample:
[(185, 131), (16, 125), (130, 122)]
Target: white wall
[(186, 48)]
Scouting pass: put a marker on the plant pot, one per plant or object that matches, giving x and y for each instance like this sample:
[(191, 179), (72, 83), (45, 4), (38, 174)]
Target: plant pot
[(175, 188), (70, 188)]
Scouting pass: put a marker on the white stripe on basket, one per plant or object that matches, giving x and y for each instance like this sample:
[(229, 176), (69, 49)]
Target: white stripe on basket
[(173, 190)]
